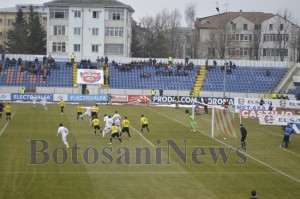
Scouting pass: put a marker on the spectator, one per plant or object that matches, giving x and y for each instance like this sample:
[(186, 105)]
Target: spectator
[(267, 73), (161, 92), (186, 60), (261, 102), (106, 60), (3, 56), (253, 195), (215, 63)]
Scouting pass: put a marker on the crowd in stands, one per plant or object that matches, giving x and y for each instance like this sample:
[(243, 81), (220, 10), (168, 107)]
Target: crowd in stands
[(279, 96), (161, 69), (229, 66)]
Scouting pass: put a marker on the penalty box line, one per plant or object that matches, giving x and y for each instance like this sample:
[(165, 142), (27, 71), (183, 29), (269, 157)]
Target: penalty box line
[(3, 129), (253, 158)]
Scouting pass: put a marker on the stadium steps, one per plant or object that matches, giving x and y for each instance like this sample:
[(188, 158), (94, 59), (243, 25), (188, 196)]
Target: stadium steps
[(199, 81), (75, 75)]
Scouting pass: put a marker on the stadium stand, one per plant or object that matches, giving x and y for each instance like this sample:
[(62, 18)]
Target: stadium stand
[(243, 79)]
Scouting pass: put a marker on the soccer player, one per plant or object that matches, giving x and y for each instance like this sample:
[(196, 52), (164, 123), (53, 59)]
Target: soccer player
[(95, 110), (44, 101), (243, 136), (192, 123), (62, 106), (1, 109), (144, 122), (88, 112), (79, 112), (114, 132), (64, 133), (96, 124), (8, 110), (226, 106), (205, 106), (34, 99), (117, 119), (125, 125), (176, 103), (108, 124)]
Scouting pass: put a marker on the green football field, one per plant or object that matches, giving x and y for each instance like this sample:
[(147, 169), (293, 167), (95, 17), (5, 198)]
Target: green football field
[(170, 162)]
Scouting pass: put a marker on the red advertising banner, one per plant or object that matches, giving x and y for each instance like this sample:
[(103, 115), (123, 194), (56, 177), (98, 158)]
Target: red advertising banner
[(119, 98), (255, 114), (139, 98)]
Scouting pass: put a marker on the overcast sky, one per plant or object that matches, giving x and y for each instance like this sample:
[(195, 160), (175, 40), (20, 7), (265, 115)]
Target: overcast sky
[(204, 7)]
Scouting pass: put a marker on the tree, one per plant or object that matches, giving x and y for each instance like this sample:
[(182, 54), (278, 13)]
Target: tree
[(17, 35), (36, 34), (190, 14)]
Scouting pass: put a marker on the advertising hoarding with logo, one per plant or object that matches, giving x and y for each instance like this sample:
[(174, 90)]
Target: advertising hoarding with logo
[(90, 76)]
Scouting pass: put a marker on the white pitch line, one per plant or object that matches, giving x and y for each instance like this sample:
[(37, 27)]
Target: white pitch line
[(136, 172), (289, 151), (270, 132), (257, 160), (143, 137), (2, 131)]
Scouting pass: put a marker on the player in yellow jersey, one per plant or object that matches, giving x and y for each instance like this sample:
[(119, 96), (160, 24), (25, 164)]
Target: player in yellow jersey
[(62, 105), (79, 112), (114, 132), (95, 110), (8, 110), (144, 122), (96, 124), (125, 127)]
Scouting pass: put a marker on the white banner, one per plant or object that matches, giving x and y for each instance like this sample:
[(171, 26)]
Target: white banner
[(5, 96), (90, 76), (269, 119), (276, 103)]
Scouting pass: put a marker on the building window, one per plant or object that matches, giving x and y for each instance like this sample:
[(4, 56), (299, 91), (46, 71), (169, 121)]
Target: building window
[(233, 26), (76, 48), (59, 30), (116, 15), (10, 22), (115, 49), (94, 48), (281, 26), (270, 27), (95, 14), (114, 31), (245, 27), (58, 47), (0, 20), (77, 31), (77, 13), (95, 31), (59, 14)]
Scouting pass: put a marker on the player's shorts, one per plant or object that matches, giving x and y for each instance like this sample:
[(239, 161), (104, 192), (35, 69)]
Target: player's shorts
[(97, 127), (144, 125), (243, 138), (125, 129), (115, 135), (94, 114), (8, 114), (79, 113)]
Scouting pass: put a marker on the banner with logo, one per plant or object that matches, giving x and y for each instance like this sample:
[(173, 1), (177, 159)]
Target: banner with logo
[(277, 103), (216, 100), (269, 119), (254, 114), (119, 98), (5, 96), (139, 98), (87, 98), (58, 97), (90, 76), (28, 97)]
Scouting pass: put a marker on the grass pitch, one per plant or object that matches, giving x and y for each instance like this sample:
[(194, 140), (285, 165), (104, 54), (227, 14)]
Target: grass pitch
[(170, 162)]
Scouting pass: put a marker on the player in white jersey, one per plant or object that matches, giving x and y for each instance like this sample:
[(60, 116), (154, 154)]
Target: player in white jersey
[(117, 119), (88, 112), (44, 101), (108, 125), (34, 99), (64, 133), (105, 118)]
